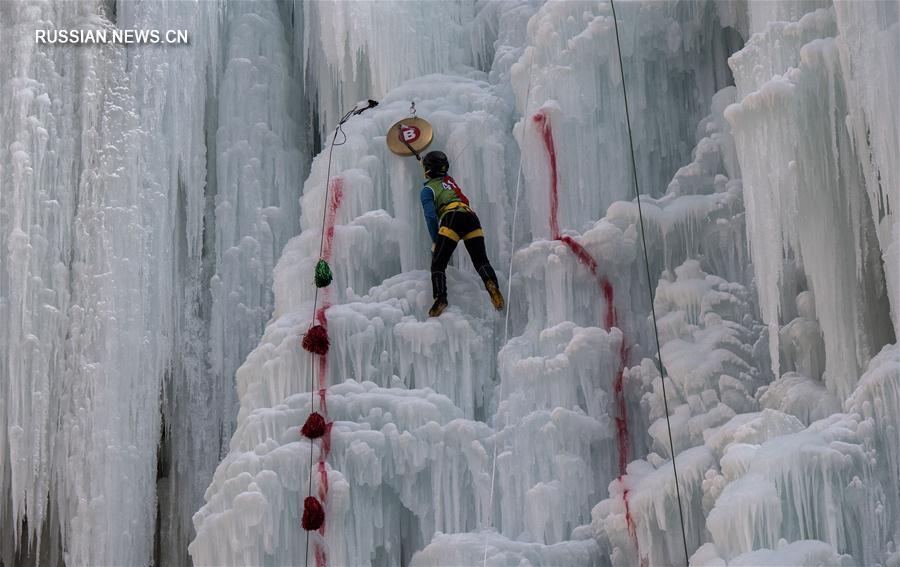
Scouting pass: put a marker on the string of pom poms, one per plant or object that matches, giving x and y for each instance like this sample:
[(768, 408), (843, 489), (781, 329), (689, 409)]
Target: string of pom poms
[(316, 342)]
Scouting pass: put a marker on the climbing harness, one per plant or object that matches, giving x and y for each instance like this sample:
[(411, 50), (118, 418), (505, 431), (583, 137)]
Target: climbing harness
[(316, 341), (662, 367)]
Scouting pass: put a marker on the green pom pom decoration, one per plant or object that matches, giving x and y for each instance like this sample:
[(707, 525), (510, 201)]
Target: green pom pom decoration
[(323, 274)]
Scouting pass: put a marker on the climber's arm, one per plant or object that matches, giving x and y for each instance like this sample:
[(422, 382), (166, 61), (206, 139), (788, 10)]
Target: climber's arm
[(431, 218)]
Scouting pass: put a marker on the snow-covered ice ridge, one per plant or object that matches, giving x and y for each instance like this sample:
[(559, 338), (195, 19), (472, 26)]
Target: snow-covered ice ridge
[(160, 217)]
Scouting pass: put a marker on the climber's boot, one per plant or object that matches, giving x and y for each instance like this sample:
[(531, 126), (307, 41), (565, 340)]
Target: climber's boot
[(496, 297), (437, 307), (489, 277), (439, 292)]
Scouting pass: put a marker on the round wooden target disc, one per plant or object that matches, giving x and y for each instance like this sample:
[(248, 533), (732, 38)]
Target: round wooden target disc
[(416, 131)]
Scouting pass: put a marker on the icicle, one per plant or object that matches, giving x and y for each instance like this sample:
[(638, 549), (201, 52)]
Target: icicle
[(314, 427), (316, 340), (313, 514), (323, 275)]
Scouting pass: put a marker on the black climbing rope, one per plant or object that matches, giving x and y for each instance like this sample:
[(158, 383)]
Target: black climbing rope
[(662, 367), (339, 129)]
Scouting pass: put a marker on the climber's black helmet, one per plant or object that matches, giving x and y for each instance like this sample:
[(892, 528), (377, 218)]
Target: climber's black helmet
[(435, 164)]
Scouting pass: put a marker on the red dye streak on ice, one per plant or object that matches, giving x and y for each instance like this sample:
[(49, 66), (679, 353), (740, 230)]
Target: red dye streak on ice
[(321, 559), (547, 133), (621, 419), (631, 530), (326, 441), (322, 405), (323, 488), (610, 311), (320, 315), (588, 261), (583, 255), (336, 195)]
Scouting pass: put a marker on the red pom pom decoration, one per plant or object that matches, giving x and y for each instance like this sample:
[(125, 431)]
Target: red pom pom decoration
[(316, 340), (314, 426), (313, 514)]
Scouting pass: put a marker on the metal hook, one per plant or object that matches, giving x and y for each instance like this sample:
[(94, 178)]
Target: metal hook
[(412, 108)]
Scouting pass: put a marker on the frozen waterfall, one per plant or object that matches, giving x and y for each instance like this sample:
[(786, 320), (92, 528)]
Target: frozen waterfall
[(161, 215)]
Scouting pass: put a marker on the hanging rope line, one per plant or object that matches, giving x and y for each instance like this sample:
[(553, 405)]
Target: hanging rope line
[(508, 289), (315, 341), (412, 114), (637, 195)]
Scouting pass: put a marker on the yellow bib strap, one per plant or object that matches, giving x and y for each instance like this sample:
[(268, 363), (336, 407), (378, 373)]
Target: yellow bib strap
[(449, 233), (474, 234)]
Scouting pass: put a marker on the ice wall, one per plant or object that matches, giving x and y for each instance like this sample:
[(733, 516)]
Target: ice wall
[(156, 243), (89, 238), (755, 484), (675, 60), (762, 14), (354, 51), (869, 45), (709, 348), (382, 245), (568, 330), (750, 480), (403, 465), (373, 312), (755, 382), (250, 210), (254, 208), (674, 56), (115, 219), (807, 206)]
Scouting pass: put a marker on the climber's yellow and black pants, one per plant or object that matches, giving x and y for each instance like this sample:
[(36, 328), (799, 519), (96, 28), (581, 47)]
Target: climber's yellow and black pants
[(458, 224)]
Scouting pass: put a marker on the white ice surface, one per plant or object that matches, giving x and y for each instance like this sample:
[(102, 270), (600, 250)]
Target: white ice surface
[(160, 214)]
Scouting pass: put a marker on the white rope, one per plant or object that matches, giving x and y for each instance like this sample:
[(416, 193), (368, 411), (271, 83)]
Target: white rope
[(508, 293)]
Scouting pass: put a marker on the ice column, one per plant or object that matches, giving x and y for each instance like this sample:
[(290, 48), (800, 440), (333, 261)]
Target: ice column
[(869, 46), (258, 176), (803, 190)]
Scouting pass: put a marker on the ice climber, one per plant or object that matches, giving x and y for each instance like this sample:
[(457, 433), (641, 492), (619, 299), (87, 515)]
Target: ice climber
[(450, 219)]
